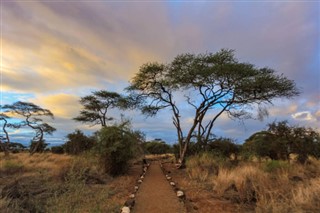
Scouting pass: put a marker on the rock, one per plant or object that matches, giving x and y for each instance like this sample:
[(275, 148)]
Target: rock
[(136, 188), (172, 183), (180, 194), (132, 196), (125, 209), (169, 178), (139, 181)]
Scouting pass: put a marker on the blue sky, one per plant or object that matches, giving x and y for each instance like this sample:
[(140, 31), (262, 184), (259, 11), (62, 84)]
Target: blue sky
[(54, 52)]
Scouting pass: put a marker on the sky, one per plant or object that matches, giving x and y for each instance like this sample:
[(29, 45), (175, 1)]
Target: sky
[(54, 52)]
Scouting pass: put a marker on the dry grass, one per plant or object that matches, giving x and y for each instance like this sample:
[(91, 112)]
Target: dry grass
[(61, 183), (270, 186)]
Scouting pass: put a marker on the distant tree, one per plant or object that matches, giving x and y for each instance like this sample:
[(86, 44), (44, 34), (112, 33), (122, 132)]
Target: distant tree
[(78, 142), (96, 106), (211, 84), (32, 115), (157, 147), (224, 147), (281, 140), (265, 144)]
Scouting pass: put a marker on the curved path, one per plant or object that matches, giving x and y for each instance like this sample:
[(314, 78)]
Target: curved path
[(156, 195)]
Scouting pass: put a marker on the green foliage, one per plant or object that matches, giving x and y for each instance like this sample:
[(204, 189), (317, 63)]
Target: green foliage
[(224, 147), (116, 145), (96, 106), (207, 81), (78, 142), (157, 147), (281, 140)]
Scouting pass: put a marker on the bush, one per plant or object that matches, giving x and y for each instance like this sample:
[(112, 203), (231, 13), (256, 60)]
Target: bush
[(78, 143), (57, 149), (116, 145)]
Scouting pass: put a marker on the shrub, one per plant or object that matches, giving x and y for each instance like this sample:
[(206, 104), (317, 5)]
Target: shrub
[(116, 145), (78, 143)]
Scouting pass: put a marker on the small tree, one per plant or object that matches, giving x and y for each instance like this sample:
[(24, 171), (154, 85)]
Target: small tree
[(78, 143), (32, 115), (212, 84), (96, 106), (116, 145)]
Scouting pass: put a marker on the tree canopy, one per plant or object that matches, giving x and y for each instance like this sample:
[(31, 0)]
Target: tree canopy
[(211, 84), (32, 115), (96, 106)]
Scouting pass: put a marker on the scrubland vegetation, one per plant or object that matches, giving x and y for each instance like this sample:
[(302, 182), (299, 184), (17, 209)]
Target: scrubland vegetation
[(275, 170), (269, 185), (59, 183)]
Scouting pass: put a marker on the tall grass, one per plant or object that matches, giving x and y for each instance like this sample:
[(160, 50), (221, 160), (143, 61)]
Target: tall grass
[(272, 186)]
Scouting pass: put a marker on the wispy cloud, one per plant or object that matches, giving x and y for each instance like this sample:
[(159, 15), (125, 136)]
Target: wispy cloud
[(55, 52)]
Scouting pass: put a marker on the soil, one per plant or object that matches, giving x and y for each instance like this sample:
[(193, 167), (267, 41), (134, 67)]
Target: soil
[(155, 194)]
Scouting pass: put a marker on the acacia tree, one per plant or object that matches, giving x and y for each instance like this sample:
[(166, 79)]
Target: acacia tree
[(5, 140), (32, 115), (212, 84), (96, 106)]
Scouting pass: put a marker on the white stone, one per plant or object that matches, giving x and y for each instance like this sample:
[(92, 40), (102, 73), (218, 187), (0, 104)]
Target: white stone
[(125, 209), (139, 181), (136, 188), (180, 193), (172, 184), (132, 196), (168, 178), (141, 177)]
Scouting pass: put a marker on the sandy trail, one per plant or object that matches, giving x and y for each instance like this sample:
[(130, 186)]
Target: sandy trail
[(156, 195)]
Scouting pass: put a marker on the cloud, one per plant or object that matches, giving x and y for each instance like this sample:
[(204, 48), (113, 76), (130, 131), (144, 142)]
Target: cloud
[(56, 52), (304, 116)]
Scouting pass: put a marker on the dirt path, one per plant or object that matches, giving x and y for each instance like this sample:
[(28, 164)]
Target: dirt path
[(156, 195)]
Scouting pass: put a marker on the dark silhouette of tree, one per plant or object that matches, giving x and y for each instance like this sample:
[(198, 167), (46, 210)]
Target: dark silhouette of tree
[(32, 114), (96, 106), (4, 140), (78, 143), (211, 84)]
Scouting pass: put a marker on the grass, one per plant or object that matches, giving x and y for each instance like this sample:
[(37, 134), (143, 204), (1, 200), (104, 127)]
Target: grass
[(271, 186), (60, 183)]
